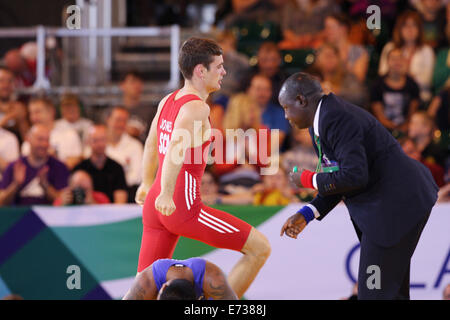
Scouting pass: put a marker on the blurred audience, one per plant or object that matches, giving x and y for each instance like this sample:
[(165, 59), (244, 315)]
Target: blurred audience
[(303, 22), (209, 191), (236, 64), (268, 65), (336, 78), (80, 192), (272, 115), (107, 175), (37, 178), (421, 131), (395, 96), (354, 57), (65, 145), (302, 152), (275, 190), (141, 113), (433, 14), (70, 108), (408, 36), (246, 144), (411, 150), (9, 149), (439, 110), (13, 113), (124, 149), (233, 11), (24, 75)]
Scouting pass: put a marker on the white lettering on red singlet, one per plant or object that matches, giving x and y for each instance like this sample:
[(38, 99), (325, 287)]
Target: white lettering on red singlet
[(164, 137)]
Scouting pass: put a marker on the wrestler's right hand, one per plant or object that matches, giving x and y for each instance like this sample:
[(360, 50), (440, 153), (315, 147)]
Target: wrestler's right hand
[(164, 204), (141, 193)]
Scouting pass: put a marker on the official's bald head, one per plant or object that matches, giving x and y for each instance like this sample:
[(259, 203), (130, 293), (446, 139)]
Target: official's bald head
[(300, 83), (299, 97)]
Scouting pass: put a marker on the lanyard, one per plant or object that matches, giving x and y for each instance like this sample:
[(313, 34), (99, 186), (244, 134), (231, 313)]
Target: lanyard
[(319, 165)]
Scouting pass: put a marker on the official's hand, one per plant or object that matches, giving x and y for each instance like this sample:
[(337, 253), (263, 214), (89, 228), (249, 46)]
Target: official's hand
[(141, 194), (294, 225), (165, 204), (294, 178)]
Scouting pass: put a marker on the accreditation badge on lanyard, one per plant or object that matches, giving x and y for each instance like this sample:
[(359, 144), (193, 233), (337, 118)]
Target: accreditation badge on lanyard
[(325, 165)]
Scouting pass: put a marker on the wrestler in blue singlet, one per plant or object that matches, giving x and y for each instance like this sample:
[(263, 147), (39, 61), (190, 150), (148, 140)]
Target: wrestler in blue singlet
[(197, 265)]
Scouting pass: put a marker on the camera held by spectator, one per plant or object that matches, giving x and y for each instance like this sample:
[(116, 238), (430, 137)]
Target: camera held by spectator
[(80, 192)]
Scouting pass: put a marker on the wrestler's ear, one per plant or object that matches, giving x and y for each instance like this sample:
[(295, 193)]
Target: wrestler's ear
[(161, 290), (199, 71)]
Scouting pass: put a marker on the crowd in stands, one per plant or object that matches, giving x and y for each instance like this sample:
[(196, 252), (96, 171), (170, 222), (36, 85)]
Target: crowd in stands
[(50, 153)]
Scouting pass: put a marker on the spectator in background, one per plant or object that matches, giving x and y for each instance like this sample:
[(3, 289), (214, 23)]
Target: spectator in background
[(23, 75), (13, 114), (433, 14), (209, 191), (269, 65), (441, 72), (439, 110), (411, 150), (80, 191), (239, 159), (395, 96), (37, 178), (408, 36), (274, 191), (420, 130), (107, 175), (236, 64), (65, 145), (303, 21), (124, 149), (251, 10), (354, 57), (260, 90), (141, 113), (302, 151), (336, 78), (9, 149), (70, 108)]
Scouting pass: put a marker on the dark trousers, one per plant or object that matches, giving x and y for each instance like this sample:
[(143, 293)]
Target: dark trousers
[(393, 264)]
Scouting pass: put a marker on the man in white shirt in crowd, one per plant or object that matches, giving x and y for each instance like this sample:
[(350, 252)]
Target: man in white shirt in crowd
[(124, 149), (65, 144), (70, 108)]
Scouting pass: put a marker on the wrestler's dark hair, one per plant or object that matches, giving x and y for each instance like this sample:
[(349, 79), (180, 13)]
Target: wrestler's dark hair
[(302, 83), (179, 289), (197, 51)]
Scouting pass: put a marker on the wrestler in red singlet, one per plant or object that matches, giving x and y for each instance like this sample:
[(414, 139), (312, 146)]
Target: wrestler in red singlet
[(191, 219)]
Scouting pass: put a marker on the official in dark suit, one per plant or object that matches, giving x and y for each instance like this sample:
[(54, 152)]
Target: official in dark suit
[(389, 196)]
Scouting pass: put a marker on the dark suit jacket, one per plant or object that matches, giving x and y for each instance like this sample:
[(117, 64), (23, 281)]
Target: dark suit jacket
[(386, 192)]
